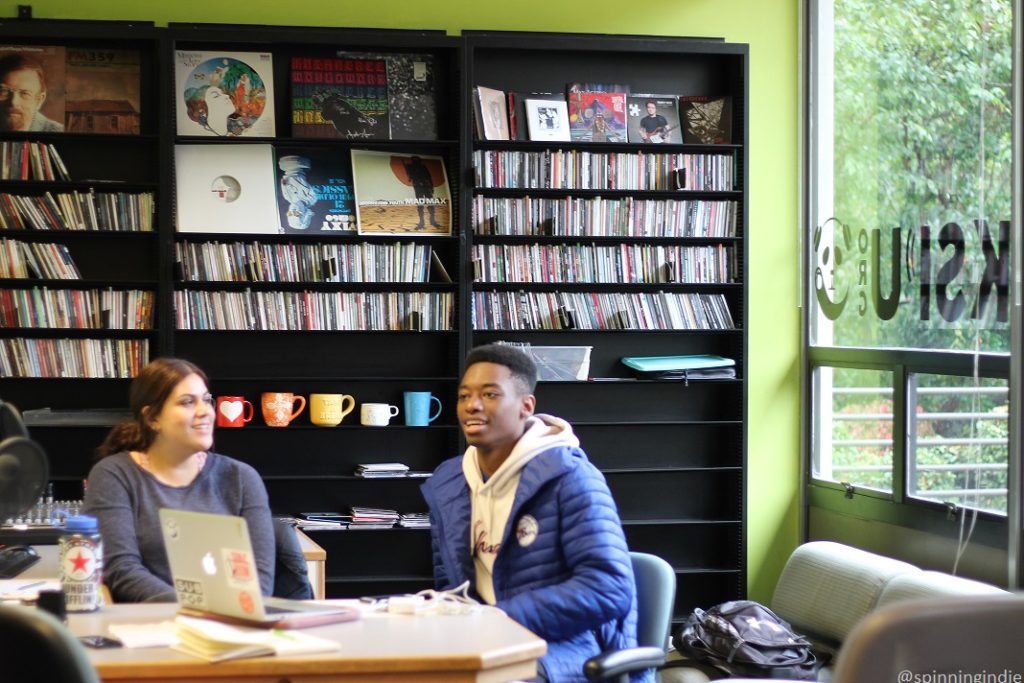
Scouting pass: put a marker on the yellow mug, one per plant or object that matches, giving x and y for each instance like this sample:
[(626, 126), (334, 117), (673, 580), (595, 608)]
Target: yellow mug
[(328, 410)]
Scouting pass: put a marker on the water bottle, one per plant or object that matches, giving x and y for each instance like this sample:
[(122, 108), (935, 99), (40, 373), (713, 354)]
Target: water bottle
[(81, 563)]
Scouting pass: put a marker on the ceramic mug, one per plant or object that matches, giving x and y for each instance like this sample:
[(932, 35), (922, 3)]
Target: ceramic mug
[(417, 408), (233, 411), (278, 407), (328, 410), (377, 414)]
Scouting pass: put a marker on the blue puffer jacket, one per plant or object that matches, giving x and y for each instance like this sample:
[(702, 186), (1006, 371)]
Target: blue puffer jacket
[(573, 584)]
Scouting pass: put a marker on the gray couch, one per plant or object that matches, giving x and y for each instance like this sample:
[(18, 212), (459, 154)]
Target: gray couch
[(826, 588)]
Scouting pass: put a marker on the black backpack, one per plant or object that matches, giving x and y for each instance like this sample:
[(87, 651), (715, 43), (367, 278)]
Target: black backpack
[(744, 638)]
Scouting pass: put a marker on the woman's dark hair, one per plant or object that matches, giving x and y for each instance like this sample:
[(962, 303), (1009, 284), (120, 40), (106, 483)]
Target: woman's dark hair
[(520, 364), (147, 396)]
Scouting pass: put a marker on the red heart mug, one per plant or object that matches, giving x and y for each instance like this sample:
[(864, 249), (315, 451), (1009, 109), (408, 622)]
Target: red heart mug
[(233, 411)]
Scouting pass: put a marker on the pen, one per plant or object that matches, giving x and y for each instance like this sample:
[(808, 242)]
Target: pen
[(30, 585)]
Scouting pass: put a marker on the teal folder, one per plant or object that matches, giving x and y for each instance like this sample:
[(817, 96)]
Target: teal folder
[(682, 367)]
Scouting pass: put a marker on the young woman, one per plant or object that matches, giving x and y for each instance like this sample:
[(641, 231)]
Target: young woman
[(159, 458)]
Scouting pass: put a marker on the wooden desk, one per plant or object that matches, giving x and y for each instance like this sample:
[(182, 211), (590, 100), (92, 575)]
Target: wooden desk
[(379, 648)]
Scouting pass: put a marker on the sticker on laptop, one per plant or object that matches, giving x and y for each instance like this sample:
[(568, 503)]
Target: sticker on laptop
[(190, 593), (241, 568), (246, 602)]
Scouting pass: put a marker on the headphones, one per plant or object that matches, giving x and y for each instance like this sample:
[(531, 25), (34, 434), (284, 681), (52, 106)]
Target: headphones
[(24, 469)]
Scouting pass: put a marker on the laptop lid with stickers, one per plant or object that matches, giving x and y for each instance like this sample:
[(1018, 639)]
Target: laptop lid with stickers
[(213, 570)]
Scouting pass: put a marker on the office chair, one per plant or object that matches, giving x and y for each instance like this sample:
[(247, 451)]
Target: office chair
[(655, 597), (291, 575), (40, 649)]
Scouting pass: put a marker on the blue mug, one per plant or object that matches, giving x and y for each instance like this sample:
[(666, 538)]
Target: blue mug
[(417, 408)]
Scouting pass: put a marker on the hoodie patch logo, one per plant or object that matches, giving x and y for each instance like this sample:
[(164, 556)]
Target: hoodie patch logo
[(526, 530)]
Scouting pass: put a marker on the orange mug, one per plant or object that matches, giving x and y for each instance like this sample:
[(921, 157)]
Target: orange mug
[(279, 407)]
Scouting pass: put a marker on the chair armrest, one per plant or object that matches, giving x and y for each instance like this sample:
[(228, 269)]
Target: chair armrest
[(618, 662)]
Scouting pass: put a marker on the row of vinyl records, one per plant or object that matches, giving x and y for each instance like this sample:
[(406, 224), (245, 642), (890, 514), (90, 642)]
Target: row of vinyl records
[(115, 211), (28, 160), (601, 217), (571, 169), (36, 259), (95, 309), (623, 263), (600, 311), (259, 262), (342, 311), (90, 358)]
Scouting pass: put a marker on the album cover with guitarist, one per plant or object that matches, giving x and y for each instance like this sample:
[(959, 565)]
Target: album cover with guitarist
[(653, 119)]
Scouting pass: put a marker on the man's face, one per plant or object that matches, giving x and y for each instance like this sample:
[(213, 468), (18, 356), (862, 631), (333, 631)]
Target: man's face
[(21, 95), (492, 407)]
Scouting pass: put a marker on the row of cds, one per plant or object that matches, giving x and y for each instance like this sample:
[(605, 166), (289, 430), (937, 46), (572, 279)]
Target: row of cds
[(599, 311), (248, 310), (87, 358), (571, 169), (259, 262), (28, 160), (107, 211), (36, 259), (601, 217), (624, 263), (97, 309)]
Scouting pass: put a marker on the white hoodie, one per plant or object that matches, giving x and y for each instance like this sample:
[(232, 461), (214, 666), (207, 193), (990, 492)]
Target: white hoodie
[(491, 501)]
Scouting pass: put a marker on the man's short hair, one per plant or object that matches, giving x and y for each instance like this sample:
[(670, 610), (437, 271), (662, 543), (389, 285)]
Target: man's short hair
[(17, 61), (520, 364)]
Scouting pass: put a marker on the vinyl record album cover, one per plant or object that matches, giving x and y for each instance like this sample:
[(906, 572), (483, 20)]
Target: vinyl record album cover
[(706, 120), (340, 97), (653, 119), (226, 94), (314, 190), (597, 116), (226, 188), (35, 74), (401, 194), (103, 91)]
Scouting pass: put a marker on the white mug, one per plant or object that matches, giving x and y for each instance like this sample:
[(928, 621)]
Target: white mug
[(377, 414)]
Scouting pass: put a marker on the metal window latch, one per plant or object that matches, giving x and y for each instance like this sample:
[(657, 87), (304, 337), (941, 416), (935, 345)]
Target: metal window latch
[(849, 489), (952, 509)]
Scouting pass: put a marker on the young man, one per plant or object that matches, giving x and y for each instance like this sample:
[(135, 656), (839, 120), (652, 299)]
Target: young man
[(529, 522)]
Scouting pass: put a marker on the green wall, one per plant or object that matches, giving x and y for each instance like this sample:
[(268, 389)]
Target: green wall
[(771, 29)]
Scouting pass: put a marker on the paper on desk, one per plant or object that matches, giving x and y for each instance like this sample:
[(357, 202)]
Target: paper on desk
[(160, 634), (26, 589)]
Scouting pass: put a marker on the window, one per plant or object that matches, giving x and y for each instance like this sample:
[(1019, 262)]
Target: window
[(909, 193)]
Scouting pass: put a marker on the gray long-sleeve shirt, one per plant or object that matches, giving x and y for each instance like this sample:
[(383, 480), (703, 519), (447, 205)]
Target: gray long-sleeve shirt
[(126, 499)]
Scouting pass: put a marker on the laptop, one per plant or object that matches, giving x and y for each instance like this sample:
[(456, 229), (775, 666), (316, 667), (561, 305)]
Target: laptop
[(214, 573)]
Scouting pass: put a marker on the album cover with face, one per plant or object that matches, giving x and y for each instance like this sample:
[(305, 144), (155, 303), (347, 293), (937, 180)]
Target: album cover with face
[(226, 188), (227, 94)]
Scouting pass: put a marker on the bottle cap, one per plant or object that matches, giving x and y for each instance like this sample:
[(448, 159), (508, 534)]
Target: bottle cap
[(81, 523)]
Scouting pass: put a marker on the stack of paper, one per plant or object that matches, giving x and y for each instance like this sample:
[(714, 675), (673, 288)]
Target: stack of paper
[(323, 520), (415, 520), (215, 642), (373, 518), (381, 469)]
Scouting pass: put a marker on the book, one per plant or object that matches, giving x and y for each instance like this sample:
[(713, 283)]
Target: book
[(412, 107), (217, 642), (706, 120), (227, 94), (37, 72), (597, 116), (547, 120), (226, 188), (492, 120), (340, 97), (653, 119), (103, 91), (314, 190), (401, 194)]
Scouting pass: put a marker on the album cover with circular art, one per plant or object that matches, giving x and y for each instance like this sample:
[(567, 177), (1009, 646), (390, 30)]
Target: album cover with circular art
[(225, 94)]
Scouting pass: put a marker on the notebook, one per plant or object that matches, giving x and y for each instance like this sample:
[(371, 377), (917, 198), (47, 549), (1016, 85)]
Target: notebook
[(214, 573)]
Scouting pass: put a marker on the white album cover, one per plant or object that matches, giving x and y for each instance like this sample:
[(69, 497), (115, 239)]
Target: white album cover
[(226, 188), (226, 94)]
